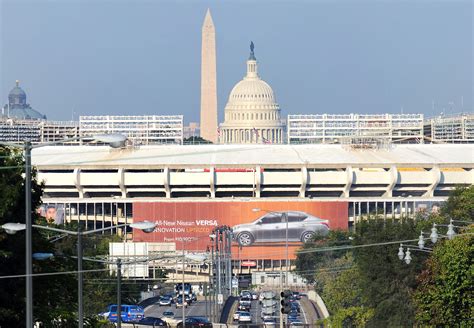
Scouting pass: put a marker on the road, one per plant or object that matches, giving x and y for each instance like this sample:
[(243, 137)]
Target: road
[(305, 315), (195, 309)]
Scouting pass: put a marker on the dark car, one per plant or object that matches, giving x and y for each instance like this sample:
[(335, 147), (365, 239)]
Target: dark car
[(272, 228), (152, 321), (195, 322), (297, 295)]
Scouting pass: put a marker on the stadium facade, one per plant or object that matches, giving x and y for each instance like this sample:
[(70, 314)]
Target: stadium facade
[(190, 190)]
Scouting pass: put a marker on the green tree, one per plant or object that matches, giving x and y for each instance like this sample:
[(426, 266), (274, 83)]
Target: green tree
[(445, 295), (51, 293), (460, 204), (195, 140)]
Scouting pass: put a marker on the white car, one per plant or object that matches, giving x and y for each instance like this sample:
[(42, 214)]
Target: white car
[(269, 322), (237, 315), (245, 317)]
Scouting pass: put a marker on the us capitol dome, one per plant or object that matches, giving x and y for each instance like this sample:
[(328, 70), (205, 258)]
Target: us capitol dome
[(252, 114), (18, 108)]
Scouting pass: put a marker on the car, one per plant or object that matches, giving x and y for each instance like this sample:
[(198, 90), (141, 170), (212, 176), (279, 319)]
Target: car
[(193, 297), (246, 293), (271, 227), (267, 295), (165, 301), (152, 321), (195, 322), (269, 303), (128, 313), (245, 317), (246, 301), (269, 322), (243, 308), (188, 299), (168, 314), (293, 314), (296, 324), (267, 313), (297, 295), (237, 315), (295, 307), (179, 302)]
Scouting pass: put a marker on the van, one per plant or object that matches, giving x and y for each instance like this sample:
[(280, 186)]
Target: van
[(129, 313)]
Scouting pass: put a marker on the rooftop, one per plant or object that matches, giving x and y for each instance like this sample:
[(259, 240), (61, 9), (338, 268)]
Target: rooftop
[(316, 155)]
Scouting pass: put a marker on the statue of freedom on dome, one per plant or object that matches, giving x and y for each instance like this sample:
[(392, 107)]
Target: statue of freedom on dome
[(251, 46)]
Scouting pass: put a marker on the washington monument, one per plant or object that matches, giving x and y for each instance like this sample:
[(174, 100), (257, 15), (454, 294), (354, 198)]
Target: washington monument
[(208, 81)]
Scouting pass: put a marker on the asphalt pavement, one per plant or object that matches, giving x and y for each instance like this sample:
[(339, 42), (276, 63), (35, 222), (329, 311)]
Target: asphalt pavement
[(195, 309)]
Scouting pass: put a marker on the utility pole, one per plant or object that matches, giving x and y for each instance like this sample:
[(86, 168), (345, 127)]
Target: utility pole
[(229, 259), (29, 223), (183, 298), (119, 293)]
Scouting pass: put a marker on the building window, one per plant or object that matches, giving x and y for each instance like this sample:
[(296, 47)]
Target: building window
[(262, 279)]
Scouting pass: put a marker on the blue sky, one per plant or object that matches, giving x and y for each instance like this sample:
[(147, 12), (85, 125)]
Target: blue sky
[(143, 57)]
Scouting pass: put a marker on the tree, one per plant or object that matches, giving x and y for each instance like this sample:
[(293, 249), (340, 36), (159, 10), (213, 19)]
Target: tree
[(50, 298), (445, 294), (196, 140)]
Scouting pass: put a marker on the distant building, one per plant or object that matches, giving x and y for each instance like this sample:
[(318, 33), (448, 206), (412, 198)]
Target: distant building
[(140, 130), (191, 130), (37, 131), (17, 108), (252, 114), (343, 128), (453, 129)]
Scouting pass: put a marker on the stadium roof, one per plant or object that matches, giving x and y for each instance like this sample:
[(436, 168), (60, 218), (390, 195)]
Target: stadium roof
[(419, 155)]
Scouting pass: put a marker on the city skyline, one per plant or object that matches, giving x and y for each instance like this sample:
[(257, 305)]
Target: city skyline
[(152, 65)]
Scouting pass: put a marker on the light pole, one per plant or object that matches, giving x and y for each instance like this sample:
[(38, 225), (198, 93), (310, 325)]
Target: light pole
[(115, 140), (12, 228)]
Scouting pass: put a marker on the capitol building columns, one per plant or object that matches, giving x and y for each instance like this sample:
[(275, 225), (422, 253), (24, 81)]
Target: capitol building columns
[(252, 114)]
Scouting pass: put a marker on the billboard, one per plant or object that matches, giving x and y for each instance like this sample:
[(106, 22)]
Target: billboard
[(53, 213), (260, 228)]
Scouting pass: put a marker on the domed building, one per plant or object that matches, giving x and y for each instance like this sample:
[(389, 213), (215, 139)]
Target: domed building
[(252, 114), (17, 106)]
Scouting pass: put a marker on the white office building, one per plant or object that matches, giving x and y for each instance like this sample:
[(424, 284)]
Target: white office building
[(140, 130), (343, 128)]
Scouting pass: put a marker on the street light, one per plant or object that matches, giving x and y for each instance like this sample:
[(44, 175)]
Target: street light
[(12, 228), (114, 140)]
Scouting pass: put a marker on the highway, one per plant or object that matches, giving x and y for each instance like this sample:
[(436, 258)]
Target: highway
[(195, 309), (306, 316)]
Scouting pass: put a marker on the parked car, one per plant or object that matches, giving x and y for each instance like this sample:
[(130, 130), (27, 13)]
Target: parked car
[(272, 228), (152, 321), (165, 301), (245, 317), (129, 313), (195, 322)]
